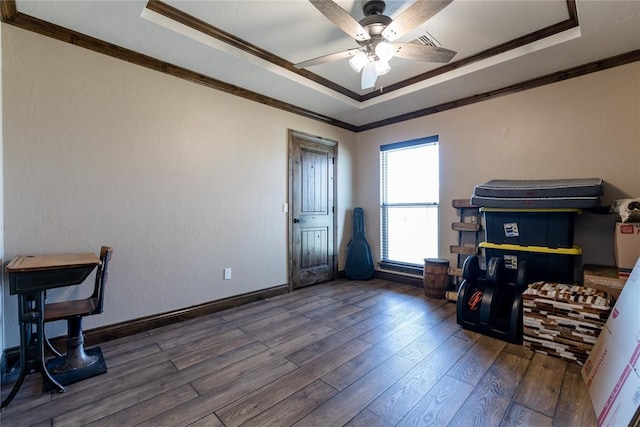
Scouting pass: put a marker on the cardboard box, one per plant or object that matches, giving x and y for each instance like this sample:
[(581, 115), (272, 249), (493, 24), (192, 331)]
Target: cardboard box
[(627, 244), (603, 278), (612, 371)]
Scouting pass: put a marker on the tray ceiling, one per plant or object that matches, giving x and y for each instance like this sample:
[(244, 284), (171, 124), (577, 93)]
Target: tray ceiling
[(248, 47)]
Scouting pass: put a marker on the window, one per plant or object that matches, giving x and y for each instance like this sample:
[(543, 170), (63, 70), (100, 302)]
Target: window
[(409, 185)]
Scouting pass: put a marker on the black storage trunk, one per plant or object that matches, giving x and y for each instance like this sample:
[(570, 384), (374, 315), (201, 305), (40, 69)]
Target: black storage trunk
[(543, 264), (530, 227)]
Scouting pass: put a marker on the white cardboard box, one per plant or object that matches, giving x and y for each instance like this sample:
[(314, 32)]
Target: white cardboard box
[(612, 371), (627, 244)]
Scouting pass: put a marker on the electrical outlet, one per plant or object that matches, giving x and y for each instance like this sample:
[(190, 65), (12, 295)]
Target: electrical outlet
[(227, 273)]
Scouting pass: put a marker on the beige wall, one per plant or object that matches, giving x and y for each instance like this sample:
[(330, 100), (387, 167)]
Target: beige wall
[(184, 181), (181, 180), (584, 127)]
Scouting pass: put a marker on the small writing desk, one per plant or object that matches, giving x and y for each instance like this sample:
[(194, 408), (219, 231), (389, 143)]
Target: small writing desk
[(29, 278)]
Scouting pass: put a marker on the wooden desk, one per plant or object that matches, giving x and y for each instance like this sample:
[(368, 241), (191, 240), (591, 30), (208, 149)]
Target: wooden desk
[(29, 278)]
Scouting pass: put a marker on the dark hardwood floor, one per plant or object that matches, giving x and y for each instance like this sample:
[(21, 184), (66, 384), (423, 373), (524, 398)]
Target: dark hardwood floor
[(370, 353)]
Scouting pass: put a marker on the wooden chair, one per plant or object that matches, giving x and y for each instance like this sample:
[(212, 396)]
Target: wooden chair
[(73, 312)]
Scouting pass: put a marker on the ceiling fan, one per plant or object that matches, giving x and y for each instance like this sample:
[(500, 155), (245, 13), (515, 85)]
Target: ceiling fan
[(375, 34)]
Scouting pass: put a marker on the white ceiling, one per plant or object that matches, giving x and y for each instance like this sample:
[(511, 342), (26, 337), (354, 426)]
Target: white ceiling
[(295, 30)]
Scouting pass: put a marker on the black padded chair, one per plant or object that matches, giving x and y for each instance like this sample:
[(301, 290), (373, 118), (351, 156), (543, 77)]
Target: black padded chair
[(73, 312)]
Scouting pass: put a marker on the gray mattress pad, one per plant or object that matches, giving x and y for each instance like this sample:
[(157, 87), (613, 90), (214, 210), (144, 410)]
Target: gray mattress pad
[(536, 202), (543, 188)]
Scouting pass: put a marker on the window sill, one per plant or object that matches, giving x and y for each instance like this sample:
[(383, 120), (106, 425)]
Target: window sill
[(412, 269)]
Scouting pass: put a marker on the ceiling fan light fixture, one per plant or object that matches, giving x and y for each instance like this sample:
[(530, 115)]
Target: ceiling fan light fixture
[(358, 61), (368, 76), (384, 51), (382, 67)]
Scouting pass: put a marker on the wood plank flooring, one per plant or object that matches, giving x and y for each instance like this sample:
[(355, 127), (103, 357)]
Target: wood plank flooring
[(355, 353)]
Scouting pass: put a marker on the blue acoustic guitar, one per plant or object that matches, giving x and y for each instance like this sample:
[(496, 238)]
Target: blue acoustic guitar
[(359, 261)]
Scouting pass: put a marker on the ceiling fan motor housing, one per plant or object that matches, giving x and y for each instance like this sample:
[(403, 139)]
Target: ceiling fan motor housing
[(375, 24), (374, 21)]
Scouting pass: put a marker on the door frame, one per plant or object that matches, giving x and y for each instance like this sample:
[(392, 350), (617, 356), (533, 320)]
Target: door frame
[(334, 145)]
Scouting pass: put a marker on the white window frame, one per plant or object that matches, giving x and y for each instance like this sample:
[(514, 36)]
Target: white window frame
[(432, 206)]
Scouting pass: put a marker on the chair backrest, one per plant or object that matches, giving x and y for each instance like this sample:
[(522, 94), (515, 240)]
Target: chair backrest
[(101, 279)]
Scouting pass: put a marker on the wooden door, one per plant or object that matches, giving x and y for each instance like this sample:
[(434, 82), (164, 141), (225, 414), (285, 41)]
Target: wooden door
[(311, 209)]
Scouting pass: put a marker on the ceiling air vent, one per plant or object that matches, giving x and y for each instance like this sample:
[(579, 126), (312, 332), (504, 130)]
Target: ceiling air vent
[(428, 40)]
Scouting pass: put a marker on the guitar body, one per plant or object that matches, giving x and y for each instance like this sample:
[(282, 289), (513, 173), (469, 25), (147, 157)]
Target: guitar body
[(359, 261)]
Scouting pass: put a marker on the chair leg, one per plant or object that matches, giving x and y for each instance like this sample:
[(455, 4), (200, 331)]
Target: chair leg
[(76, 357)]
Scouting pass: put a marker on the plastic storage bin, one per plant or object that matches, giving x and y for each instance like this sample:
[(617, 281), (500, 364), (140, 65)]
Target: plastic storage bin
[(543, 264), (550, 228)]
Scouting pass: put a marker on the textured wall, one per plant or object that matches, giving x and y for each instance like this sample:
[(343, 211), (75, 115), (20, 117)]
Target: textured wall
[(181, 180), (2, 322), (583, 127)]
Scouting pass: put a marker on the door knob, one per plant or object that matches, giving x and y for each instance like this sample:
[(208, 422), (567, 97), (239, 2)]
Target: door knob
[(296, 220)]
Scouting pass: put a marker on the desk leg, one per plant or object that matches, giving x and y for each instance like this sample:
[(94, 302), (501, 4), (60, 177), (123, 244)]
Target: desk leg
[(40, 360), (24, 347), (30, 313)]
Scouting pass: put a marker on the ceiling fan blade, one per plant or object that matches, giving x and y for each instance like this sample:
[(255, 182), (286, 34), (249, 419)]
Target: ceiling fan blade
[(416, 14), (341, 19), (421, 52), (369, 76), (327, 58)]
